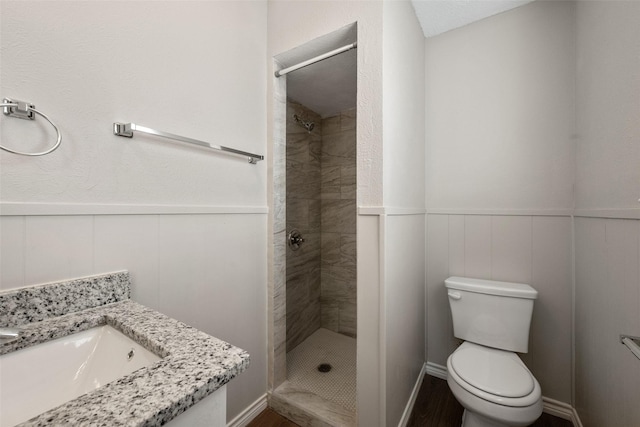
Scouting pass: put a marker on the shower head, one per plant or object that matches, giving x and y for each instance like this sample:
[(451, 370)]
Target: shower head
[(308, 125)]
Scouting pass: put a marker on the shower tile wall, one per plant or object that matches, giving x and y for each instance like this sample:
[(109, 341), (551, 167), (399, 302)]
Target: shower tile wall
[(338, 236), (303, 213), (321, 203)]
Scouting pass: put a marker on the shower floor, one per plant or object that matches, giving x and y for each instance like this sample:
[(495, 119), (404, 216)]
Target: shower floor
[(324, 346)]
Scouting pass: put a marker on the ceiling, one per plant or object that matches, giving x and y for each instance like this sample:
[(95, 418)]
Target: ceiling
[(328, 87), (439, 16)]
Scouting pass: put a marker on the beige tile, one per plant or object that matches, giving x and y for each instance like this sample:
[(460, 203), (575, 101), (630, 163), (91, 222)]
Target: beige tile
[(331, 179), (348, 174), (331, 196), (298, 147), (297, 294), (298, 214), (330, 317), (315, 151), (342, 273), (338, 148), (348, 255), (338, 216), (315, 216), (330, 248), (335, 290), (330, 126), (308, 322), (314, 283), (348, 192), (347, 318), (305, 258), (303, 181), (348, 119), (303, 303)]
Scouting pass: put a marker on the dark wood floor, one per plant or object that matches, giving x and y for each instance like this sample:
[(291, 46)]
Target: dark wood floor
[(435, 407), (268, 418)]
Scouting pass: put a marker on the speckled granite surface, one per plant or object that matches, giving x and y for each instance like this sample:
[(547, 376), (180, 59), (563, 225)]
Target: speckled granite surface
[(36, 303), (194, 365)]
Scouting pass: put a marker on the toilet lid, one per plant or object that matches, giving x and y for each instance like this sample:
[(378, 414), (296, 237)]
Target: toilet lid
[(497, 372)]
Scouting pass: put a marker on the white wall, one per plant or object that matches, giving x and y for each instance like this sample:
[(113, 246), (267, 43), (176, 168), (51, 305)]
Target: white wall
[(607, 375), (197, 249), (607, 231), (403, 286), (500, 110), (403, 107), (174, 67), (404, 315), (608, 83)]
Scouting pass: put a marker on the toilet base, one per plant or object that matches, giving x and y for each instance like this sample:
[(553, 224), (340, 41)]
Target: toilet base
[(471, 419)]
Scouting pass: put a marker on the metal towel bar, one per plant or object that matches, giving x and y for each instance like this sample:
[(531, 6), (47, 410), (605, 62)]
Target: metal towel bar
[(633, 343), (127, 129)]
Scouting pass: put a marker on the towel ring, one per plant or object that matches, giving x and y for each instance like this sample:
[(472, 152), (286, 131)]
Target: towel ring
[(23, 112)]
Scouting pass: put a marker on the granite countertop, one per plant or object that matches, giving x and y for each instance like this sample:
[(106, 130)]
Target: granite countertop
[(193, 364)]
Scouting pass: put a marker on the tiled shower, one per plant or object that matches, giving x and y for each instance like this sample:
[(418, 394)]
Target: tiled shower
[(321, 204), (321, 272)]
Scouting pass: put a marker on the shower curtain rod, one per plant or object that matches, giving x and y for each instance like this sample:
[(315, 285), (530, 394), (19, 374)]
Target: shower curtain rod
[(316, 59)]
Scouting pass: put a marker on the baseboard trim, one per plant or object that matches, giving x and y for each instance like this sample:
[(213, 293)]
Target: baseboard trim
[(549, 406), (436, 370), (575, 419), (251, 412), (561, 410), (412, 399)]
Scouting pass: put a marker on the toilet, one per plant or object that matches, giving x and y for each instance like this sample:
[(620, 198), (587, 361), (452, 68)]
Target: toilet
[(484, 373)]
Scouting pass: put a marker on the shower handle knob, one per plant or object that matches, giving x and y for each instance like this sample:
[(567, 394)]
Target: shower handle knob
[(295, 239)]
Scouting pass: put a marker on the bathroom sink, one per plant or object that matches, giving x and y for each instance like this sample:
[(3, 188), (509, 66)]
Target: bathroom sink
[(38, 378)]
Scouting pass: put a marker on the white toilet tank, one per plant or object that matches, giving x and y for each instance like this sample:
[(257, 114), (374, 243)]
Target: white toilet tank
[(490, 313)]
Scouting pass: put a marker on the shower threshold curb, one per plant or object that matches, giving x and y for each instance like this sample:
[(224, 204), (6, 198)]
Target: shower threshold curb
[(308, 409)]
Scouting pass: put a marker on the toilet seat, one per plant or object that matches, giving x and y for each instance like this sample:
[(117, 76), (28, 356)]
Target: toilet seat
[(494, 375)]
